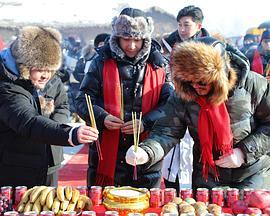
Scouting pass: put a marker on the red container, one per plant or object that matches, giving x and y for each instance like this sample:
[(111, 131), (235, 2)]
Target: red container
[(232, 195), (30, 213), (156, 197), (46, 213), (69, 213), (218, 196), (151, 214), (169, 195), (88, 213), (11, 213), (83, 190), (111, 213), (96, 195), (202, 195), (246, 194), (19, 192), (134, 214), (7, 192), (186, 193)]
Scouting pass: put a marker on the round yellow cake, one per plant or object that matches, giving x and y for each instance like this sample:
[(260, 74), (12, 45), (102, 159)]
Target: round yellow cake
[(126, 199)]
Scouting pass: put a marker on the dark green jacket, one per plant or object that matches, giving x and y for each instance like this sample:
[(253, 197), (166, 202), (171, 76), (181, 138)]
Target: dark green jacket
[(249, 110)]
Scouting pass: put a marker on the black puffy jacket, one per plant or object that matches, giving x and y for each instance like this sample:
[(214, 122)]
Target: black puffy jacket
[(131, 75)]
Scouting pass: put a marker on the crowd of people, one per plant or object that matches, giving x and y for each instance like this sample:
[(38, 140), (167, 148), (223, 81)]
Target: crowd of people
[(190, 93)]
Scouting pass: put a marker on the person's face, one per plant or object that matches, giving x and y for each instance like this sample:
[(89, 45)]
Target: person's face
[(201, 88), (266, 44), (131, 46), (187, 27), (100, 44), (40, 77)]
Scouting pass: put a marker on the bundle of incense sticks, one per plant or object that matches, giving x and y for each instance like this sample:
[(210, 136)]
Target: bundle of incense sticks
[(93, 123), (136, 136)]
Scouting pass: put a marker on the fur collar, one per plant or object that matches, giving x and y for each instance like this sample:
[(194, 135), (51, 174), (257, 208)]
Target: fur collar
[(114, 44)]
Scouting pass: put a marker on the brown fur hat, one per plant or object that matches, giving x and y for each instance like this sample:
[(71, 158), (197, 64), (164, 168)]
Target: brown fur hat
[(197, 61), (37, 47)]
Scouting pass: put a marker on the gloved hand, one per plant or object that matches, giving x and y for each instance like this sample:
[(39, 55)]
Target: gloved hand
[(234, 160), (136, 158)]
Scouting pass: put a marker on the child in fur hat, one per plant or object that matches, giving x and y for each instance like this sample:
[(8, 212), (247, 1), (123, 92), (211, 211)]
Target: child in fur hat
[(25, 133), (226, 108), (127, 75)]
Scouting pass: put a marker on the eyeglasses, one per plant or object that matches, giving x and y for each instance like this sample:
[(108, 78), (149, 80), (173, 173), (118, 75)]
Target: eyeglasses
[(200, 83)]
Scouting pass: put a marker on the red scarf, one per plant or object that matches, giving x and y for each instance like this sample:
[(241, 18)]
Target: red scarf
[(257, 64), (153, 81), (214, 131)]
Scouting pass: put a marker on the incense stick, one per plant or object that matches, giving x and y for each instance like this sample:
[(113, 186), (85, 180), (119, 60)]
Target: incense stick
[(122, 103), (136, 137), (93, 123)]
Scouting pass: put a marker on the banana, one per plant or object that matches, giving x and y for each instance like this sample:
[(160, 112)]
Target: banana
[(36, 206), (75, 195), (56, 205), (50, 198), (44, 194), (28, 207), (45, 208), (35, 194), (80, 204), (60, 191), (87, 201), (26, 195), (20, 207), (64, 205), (60, 213), (68, 192), (71, 206)]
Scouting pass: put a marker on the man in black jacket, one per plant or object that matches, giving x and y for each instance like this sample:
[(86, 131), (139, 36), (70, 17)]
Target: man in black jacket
[(127, 75)]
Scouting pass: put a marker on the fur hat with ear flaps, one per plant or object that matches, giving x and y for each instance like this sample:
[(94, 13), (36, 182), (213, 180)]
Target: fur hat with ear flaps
[(132, 23), (200, 62), (37, 47)]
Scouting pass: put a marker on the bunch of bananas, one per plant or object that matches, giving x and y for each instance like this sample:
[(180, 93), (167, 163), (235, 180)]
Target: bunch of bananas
[(58, 200)]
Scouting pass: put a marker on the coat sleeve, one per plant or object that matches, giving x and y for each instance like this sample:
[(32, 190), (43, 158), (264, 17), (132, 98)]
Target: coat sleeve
[(257, 143), (166, 132), (19, 113), (92, 85)]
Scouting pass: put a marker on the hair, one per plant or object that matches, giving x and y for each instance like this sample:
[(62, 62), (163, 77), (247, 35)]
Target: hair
[(101, 38), (192, 11)]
